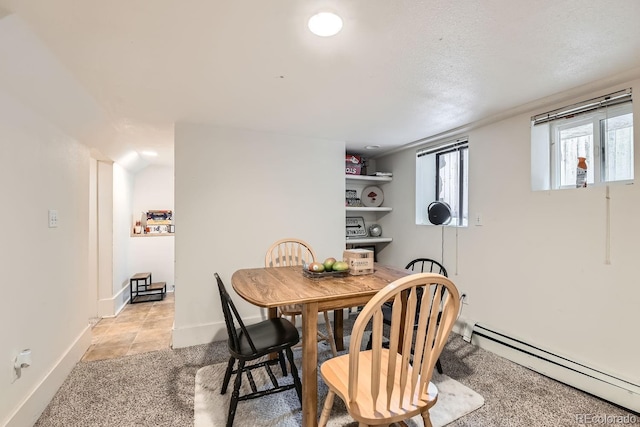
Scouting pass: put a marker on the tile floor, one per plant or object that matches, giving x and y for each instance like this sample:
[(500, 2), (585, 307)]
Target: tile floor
[(138, 328)]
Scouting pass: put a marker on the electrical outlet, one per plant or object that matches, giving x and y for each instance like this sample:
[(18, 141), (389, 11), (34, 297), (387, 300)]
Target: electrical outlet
[(53, 218)]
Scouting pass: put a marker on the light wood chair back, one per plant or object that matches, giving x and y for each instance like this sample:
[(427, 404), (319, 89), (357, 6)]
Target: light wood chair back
[(387, 385), (288, 252), (291, 252)]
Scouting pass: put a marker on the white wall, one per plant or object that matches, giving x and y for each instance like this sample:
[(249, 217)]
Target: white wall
[(153, 189), (92, 280), (107, 306), (44, 270), (236, 193), (123, 184), (536, 268)]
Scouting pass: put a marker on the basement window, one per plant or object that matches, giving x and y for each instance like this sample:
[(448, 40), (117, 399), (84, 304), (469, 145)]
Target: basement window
[(442, 174), (599, 130)]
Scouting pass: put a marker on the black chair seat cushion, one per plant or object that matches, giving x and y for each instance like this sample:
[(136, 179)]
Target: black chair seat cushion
[(267, 336)]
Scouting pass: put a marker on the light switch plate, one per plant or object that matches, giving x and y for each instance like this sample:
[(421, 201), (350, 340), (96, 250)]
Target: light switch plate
[(53, 218)]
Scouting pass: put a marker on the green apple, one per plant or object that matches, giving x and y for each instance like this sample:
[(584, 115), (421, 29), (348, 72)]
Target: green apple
[(340, 266), (328, 264)]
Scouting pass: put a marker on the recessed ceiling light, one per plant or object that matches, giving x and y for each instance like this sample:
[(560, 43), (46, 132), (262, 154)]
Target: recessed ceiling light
[(371, 147), (325, 24), (150, 153)]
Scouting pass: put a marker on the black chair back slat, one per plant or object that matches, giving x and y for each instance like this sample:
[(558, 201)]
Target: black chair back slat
[(427, 265), (231, 316)]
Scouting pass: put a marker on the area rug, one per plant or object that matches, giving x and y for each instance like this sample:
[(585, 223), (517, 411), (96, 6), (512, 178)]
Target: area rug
[(283, 409)]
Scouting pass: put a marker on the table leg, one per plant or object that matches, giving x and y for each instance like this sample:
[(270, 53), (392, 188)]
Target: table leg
[(338, 328), (310, 365), (272, 313)]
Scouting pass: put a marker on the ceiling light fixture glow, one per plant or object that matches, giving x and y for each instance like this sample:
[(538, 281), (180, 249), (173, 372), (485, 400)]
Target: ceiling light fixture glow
[(325, 24), (128, 159)]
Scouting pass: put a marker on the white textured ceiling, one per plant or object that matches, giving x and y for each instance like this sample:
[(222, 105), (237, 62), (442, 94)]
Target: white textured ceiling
[(400, 70)]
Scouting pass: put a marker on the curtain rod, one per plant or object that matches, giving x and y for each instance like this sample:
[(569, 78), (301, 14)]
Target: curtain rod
[(609, 100)]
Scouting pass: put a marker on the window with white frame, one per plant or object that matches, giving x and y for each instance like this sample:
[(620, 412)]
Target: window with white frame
[(442, 174), (599, 130)]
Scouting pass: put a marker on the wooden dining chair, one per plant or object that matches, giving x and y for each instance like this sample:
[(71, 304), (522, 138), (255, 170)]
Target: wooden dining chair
[(418, 265), (292, 252), (386, 385), (427, 265), (250, 343)]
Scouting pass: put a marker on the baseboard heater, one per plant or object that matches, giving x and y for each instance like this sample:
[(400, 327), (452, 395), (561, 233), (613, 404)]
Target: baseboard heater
[(615, 390)]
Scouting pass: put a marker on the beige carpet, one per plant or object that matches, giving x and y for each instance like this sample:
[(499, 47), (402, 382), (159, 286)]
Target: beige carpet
[(283, 409), (156, 389)]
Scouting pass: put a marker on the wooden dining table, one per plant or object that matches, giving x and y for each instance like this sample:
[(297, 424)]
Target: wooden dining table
[(273, 287)]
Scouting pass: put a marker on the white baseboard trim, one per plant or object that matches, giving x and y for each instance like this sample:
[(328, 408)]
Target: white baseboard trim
[(30, 409), (109, 307), (203, 334)]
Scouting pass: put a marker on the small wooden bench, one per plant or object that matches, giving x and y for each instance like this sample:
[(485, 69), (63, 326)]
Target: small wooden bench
[(142, 289)]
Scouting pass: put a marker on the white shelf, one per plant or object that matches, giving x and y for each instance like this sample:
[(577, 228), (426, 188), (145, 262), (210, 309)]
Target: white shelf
[(368, 209), (361, 240), (369, 179), (359, 181)]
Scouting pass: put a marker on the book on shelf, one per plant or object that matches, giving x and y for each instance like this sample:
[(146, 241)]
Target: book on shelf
[(381, 174)]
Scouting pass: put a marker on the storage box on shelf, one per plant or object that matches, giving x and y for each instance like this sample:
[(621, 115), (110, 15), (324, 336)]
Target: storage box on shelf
[(360, 261), (354, 208), (354, 165)]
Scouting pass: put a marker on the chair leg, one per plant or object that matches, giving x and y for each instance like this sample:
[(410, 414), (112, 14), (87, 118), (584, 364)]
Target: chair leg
[(439, 366), (233, 404), (331, 339), (294, 374), (326, 409), (227, 375), (426, 418), (283, 363)]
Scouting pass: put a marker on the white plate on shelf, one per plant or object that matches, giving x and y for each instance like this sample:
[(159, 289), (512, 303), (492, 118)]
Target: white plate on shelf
[(372, 196)]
